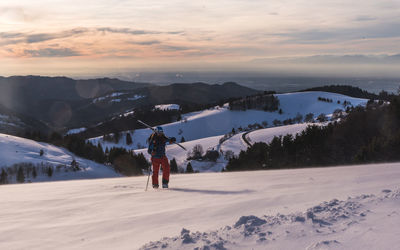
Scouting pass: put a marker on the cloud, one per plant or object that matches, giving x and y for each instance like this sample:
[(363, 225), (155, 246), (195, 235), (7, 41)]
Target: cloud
[(364, 18), (51, 52), (321, 36), (41, 37), (174, 48), (127, 31), (333, 59), (17, 37), (136, 32), (149, 42), (9, 35)]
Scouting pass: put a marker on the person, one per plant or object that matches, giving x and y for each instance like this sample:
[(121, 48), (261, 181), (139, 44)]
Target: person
[(157, 142)]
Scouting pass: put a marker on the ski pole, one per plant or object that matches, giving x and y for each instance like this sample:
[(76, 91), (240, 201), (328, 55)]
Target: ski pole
[(148, 178)]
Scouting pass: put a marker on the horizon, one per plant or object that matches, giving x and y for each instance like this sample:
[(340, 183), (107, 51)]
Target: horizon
[(97, 38)]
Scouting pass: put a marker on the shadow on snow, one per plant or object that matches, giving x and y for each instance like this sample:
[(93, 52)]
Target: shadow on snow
[(189, 190)]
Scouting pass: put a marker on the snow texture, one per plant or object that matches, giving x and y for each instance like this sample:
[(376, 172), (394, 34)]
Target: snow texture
[(335, 224), (353, 207)]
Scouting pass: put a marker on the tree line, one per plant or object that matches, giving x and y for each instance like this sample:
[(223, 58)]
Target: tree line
[(367, 135)]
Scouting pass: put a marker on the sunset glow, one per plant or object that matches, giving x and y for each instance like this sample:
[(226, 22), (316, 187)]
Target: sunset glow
[(78, 37)]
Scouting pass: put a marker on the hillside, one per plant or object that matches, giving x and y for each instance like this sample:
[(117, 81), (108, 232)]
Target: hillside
[(54, 100), (353, 92), (63, 102), (227, 148), (219, 121), (14, 123), (353, 207), (189, 97), (16, 152)]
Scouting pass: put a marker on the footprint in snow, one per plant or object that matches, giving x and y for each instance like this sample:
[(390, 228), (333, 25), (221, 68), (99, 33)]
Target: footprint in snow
[(324, 244)]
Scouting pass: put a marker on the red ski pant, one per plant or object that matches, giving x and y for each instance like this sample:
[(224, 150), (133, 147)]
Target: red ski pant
[(156, 167)]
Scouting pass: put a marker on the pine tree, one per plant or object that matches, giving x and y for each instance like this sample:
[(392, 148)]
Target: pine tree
[(34, 173), (174, 166), (189, 168), (75, 165), (20, 175), (50, 171), (3, 177), (128, 139)]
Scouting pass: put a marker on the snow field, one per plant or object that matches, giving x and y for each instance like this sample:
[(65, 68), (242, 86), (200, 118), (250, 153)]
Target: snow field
[(15, 150), (291, 209)]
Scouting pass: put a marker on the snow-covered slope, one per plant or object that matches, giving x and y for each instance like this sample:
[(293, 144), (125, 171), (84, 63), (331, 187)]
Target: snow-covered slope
[(15, 150), (235, 144), (280, 209), (219, 121)]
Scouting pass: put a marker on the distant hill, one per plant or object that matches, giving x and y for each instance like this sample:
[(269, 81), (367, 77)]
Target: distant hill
[(16, 124), (55, 99), (190, 97), (352, 91), (64, 103), (199, 93)]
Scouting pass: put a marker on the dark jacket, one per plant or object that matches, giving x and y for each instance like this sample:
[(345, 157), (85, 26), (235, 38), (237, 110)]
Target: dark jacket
[(157, 143)]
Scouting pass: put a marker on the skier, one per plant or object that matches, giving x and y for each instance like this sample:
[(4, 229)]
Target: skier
[(157, 142)]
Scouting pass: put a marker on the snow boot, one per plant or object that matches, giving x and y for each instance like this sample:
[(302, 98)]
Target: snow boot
[(155, 186), (165, 183)]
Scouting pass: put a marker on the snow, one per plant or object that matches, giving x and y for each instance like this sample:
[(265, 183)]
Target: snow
[(219, 121), (352, 207), (117, 94), (167, 107), (115, 100), (234, 144), (14, 150), (76, 131), (4, 117), (135, 97), (99, 99)]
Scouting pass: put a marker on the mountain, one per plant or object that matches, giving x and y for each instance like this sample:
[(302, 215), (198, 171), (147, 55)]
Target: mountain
[(14, 123), (54, 99), (63, 102), (189, 96)]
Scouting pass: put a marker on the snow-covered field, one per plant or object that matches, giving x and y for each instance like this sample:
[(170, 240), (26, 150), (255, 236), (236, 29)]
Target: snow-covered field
[(14, 150), (279, 209), (220, 121)]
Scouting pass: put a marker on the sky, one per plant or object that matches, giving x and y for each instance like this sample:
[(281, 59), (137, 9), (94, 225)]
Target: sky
[(96, 37)]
